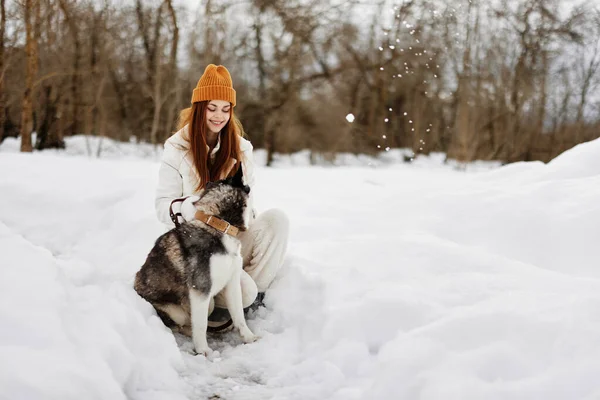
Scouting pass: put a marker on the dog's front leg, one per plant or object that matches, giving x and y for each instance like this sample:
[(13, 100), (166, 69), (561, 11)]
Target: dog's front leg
[(233, 299), (199, 303)]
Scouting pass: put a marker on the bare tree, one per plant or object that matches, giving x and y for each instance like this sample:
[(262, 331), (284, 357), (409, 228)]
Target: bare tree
[(173, 72), (32, 19), (74, 99), (2, 67), (587, 70), (465, 138), (162, 81)]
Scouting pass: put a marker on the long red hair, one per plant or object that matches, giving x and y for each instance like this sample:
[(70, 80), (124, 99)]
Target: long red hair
[(221, 167)]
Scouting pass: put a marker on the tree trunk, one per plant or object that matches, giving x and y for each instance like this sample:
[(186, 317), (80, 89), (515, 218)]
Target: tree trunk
[(75, 97), (45, 124), (92, 115), (31, 7), (262, 77), (173, 106), (2, 97), (541, 117), (463, 135)]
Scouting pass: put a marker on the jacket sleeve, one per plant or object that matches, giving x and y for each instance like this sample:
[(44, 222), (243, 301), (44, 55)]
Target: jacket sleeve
[(248, 164), (170, 184)]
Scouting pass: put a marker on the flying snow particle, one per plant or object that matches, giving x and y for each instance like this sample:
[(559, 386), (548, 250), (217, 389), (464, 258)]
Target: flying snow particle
[(386, 120), (350, 118)]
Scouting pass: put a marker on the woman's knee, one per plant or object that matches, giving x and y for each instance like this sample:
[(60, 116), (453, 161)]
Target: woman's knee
[(276, 220)]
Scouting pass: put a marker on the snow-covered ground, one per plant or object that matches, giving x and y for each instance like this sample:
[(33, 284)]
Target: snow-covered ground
[(403, 281)]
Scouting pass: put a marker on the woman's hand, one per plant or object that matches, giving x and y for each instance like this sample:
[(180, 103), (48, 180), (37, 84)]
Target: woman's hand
[(188, 209)]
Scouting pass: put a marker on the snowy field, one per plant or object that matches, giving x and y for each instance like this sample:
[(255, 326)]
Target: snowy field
[(403, 281)]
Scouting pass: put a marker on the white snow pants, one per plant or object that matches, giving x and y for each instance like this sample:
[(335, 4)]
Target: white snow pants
[(263, 248)]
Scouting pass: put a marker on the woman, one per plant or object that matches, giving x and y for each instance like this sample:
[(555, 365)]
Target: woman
[(208, 147)]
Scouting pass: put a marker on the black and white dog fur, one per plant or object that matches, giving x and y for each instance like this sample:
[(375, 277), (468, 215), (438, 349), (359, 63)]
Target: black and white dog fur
[(193, 262)]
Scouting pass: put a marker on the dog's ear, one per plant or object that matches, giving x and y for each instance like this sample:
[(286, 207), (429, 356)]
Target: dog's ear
[(238, 178)]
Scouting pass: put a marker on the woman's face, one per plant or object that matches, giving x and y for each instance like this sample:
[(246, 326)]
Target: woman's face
[(217, 114)]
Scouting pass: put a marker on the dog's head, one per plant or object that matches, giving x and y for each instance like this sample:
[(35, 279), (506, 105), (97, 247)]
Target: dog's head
[(229, 200)]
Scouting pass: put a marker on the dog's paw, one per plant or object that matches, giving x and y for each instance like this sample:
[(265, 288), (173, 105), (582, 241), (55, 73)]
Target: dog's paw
[(247, 335), (206, 352), (251, 338)]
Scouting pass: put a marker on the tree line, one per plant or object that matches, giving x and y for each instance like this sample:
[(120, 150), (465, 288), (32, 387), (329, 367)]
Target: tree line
[(506, 80)]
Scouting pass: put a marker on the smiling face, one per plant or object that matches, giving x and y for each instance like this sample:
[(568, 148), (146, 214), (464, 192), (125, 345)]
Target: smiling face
[(218, 113)]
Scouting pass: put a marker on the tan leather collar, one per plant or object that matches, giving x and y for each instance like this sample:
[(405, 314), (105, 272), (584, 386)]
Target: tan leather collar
[(217, 223)]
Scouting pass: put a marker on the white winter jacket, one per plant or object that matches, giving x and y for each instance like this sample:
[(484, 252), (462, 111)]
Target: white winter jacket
[(177, 176)]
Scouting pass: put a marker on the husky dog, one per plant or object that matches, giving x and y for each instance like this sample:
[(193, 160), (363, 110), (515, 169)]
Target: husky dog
[(194, 261)]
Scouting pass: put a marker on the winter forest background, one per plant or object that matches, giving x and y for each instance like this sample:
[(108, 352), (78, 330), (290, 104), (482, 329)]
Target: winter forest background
[(488, 80)]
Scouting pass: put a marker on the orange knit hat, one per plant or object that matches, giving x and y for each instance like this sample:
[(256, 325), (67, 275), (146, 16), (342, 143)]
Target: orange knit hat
[(214, 84)]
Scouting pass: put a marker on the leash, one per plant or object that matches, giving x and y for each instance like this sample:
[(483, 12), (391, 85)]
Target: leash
[(175, 216)]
